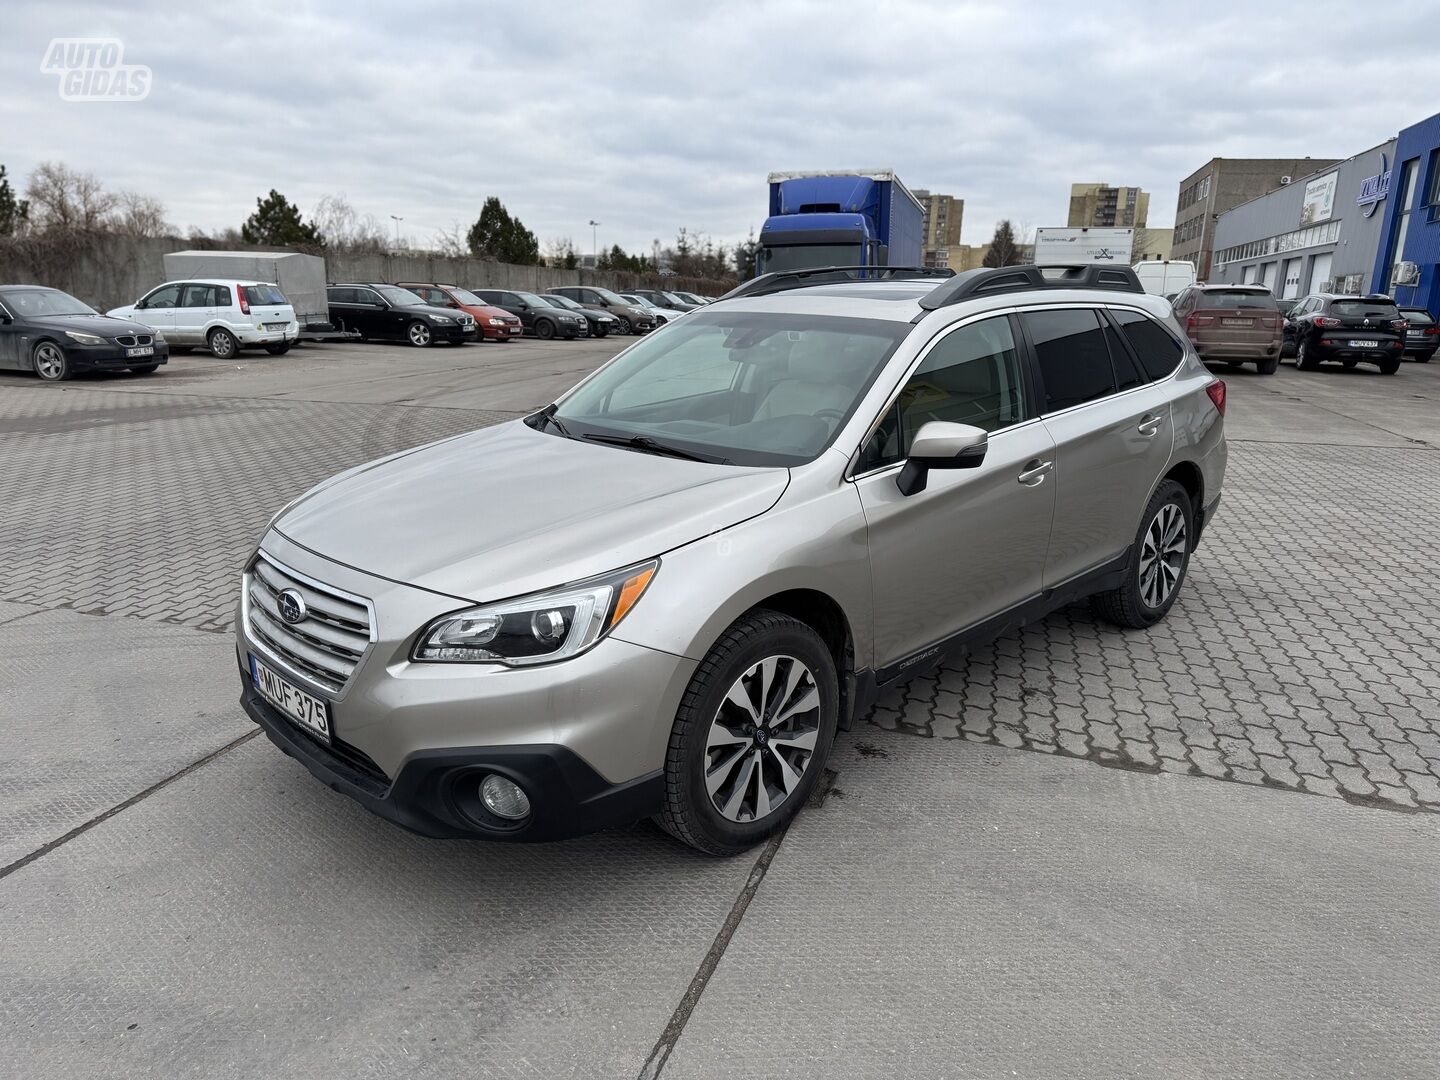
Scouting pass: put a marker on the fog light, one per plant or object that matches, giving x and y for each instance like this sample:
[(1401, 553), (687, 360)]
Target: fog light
[(504, 799)]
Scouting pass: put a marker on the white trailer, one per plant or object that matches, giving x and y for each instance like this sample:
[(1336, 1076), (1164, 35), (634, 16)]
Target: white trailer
[(1074, 247), (300, 277)]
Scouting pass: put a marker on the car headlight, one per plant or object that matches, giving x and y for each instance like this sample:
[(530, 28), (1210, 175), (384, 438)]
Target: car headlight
[(83, 338), (442, 318), (497, 322), (159, 338), (539, 628)]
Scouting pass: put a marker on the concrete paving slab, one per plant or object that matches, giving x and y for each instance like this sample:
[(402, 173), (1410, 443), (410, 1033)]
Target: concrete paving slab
[(961, 911), (247, 922), (97, 710)]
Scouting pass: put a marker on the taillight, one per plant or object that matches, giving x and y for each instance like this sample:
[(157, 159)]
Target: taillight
[(244, 303), (1199, 320), (1434, 330), (1399, 324), (1325, 320), (1216, 390)]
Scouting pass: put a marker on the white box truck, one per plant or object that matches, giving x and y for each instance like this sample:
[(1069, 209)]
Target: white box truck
[(1078, 246)]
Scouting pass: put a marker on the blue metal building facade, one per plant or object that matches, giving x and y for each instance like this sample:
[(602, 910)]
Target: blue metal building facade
[(1411, 232)]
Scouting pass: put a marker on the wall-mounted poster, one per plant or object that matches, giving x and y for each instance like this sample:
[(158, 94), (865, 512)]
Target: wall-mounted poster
[(1319, 199)]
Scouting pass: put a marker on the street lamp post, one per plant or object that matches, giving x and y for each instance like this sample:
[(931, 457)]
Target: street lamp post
[(594, 241), (397, 221)]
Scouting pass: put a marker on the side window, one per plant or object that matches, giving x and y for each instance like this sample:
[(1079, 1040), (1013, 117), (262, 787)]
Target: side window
[(368, 296), (340, 295), (1159, 353), (1128, 373), (1073, 358), (220, 296), (589, 296), (971, 376), (196, 296), (167, 297)]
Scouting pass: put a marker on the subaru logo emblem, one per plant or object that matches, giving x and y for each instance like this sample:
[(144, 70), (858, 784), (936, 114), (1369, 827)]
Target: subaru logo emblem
[(292, 606)]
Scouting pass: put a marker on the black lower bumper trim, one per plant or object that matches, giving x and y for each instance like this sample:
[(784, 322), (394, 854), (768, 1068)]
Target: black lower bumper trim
[(436, 792)]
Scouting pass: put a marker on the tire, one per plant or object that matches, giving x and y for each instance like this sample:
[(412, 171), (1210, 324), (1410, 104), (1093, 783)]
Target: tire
[(279, 349), (600, 331), (50, 362), (626, 326), (761, 649), (1268, 366), (145, 369), (1423, 358), (1389, 366), (1143, 600), (1304, 361), (1349, 365), (222, 343), (544, 329), (418, 334)]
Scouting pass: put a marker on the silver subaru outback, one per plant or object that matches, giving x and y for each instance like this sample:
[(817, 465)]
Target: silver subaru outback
[(664, 594)]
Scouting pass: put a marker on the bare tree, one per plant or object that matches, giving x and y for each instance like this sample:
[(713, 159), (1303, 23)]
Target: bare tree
[(139, 215), (451, 242), (64, 199), (560, 251), (344, 229)]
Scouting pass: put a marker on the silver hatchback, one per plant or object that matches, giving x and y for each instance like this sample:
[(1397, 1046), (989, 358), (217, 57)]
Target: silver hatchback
[(665, 593)]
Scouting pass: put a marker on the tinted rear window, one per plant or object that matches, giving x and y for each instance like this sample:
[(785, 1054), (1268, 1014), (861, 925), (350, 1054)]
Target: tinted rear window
[(1234, 298), (1418, 318), (264, 294), (1073, 357), (1159, 353), (1364, 309)]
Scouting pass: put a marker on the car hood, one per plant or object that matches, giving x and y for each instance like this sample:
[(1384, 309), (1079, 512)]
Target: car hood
[(104, 325), (433, 311), (487, 311), (509, 510)]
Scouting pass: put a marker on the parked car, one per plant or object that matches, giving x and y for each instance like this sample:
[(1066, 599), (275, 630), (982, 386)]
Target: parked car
[(1351, 329), (659, 314), (601, 324), (222, 316), (377, 311), (667, 300), (663, 593), (632, 319), (492, 323), (543, 320), (1234, 324), (693, 298), (1422, 333), (55, 335)]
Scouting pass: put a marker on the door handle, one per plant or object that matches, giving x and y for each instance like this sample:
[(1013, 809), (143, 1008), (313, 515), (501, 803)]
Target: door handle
[(1149, 425), (1034, 472)]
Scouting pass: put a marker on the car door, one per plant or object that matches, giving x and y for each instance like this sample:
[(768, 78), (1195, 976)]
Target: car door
[(157, 309), (972, 544), (1112, 430), (9, 338), (373, 316), (194, 313)]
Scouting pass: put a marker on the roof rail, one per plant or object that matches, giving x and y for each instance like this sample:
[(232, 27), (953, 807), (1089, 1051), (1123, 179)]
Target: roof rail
[(784, 280), (1004, 279)]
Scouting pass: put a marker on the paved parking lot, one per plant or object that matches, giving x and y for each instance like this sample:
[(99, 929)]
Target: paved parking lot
[(1205, 849)]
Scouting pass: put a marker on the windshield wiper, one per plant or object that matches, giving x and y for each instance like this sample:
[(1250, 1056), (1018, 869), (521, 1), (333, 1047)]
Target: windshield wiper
[(547, 415), (646, 443)]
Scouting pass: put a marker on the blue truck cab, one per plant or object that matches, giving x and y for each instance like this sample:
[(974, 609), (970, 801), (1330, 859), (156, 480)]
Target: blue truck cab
[(840, 219)]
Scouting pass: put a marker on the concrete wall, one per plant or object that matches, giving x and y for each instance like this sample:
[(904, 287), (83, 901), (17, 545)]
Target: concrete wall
[(106, 271), (1278, 213)]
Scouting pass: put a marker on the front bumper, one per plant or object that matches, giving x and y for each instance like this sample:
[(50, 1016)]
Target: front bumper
[(500, 333), (110, 356), (435, 791)]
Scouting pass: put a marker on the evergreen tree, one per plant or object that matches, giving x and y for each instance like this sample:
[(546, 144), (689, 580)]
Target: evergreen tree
[(1003, 249), (277, 223), (13, 211), (497, 235)]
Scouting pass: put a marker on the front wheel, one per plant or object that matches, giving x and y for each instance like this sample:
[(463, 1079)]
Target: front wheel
[(418, 334), (752, 734), (1304, 358), (544, 329), (279, 348), (50, 361), (626, 326), (222, 344), (1158, 561)]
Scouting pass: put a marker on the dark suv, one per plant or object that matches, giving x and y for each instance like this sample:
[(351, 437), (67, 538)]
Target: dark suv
[(1351, 329), (376, 310), (538, 316), (1422, 333)]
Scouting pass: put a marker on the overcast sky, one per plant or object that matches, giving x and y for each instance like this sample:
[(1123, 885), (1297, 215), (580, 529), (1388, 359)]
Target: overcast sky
[(652, 116)]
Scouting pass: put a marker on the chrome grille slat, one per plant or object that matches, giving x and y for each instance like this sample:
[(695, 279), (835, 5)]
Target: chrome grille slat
[(326, 646)]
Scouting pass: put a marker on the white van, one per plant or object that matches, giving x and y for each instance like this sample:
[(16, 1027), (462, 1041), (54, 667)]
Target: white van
[(1166, 277), (222, 316)]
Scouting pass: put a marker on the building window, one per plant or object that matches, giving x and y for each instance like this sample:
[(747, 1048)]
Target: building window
[(1402, 221)]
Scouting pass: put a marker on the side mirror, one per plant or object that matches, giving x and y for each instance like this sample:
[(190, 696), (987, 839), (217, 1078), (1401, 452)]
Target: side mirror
[(941, 445)]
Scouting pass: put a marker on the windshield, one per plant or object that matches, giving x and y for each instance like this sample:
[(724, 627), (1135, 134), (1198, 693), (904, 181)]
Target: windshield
[(561, 301), (809, 257), (751, 388), (1235, 298), (1365, 309), (44, 302), (398, 296), (533, 299), (608, 296), (465, 296), (635, 300), (675, 299)]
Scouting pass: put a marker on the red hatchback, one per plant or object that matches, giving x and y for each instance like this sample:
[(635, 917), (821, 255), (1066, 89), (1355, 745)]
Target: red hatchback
[(495, 324), (1235, 324)]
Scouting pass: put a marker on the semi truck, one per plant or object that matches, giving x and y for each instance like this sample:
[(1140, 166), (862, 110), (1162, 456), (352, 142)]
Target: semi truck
[(853, 218)]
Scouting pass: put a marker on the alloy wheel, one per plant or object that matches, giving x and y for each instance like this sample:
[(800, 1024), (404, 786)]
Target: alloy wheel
[(223, 345), (1162, 555), (419, 334), (762, 738), (49, 361)]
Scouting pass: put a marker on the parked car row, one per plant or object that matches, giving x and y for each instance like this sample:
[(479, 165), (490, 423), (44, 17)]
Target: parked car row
[(1239, 324)]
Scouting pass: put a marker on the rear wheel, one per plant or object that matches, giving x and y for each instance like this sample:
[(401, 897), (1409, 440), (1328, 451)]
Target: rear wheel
[(751, 736), (1268, 366), (544, 329), (222, 344), (278, 349), (1388, 366), (50, 361), (1423, 358), (1158, 561)]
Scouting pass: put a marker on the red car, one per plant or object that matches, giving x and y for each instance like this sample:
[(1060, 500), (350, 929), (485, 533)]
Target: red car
[(495, 324)]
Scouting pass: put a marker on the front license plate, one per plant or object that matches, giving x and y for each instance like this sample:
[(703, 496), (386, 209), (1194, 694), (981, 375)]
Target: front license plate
[(307, 710), (1238, 322), (1364, 344), (141, 350)]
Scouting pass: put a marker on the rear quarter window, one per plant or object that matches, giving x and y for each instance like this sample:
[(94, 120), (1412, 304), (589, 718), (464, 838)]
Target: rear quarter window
[(1159, 353)]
